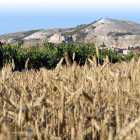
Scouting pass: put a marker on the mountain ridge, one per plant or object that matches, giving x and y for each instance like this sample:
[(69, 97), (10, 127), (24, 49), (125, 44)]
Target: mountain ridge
[(111, 32)]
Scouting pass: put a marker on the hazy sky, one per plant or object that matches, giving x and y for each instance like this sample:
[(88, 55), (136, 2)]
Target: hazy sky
[(24, 15)]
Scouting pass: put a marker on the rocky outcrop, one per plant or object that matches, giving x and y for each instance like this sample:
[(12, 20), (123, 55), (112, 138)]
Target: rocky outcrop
[(114, 33)]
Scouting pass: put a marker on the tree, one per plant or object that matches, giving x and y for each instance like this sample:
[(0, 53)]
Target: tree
[(137, 47), (20, 43), (103, 45)]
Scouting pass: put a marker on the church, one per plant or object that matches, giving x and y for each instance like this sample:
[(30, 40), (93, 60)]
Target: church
[(58, 38)]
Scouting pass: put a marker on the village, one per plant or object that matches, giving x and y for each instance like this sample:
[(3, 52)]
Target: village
[(58, 38)]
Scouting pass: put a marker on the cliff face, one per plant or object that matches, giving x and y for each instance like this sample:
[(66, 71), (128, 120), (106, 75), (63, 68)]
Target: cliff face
[(113, 33)]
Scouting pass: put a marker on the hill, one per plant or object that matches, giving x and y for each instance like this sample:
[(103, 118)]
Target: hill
[(111, 32)]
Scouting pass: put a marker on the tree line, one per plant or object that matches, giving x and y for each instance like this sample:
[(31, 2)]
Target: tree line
[(51, 55)]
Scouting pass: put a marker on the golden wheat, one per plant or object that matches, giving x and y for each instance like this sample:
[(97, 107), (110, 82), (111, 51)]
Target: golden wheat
[(72, 102)]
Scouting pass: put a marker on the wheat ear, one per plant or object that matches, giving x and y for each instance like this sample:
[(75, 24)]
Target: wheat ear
[(26, 64), (97, 52), (68, 62), (13, 64)]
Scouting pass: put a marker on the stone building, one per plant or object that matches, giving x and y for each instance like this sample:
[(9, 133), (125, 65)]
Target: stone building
[(58, 38)]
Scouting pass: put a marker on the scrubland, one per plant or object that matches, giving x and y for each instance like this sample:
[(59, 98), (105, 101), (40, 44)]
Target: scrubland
[(72, 102)]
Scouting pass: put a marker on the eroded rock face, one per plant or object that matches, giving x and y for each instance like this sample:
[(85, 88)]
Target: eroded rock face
[(114, 33)]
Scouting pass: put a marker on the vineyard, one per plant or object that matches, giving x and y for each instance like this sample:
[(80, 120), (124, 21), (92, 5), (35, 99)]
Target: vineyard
[(51, 55)]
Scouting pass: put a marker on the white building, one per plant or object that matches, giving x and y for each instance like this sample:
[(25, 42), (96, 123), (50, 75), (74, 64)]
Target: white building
[(125, 52)]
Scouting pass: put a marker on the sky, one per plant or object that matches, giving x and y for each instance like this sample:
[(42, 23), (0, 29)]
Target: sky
[(25, 15)]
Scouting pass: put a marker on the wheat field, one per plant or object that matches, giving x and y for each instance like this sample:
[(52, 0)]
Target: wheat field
[(72, 102)]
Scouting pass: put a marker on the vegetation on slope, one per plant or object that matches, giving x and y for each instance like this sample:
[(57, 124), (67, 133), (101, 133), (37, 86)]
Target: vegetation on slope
[(117, 34)]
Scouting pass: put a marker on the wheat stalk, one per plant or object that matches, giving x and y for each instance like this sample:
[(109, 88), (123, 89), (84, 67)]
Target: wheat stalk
[(68, 62), (26, 64), (97, 52), (13, 64)]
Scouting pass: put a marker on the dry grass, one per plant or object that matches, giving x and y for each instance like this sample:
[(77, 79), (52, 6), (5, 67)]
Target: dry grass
[(71, 102), (27, 45)]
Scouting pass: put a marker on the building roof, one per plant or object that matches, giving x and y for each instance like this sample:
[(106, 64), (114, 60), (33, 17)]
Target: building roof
[(136, 50), (118, 48)]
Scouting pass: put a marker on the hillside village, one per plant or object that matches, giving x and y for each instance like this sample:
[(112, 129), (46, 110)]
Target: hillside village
[(58, 38)]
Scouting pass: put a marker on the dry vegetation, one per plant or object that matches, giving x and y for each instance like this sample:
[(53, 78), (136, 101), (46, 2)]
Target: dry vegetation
[(91, 102)]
